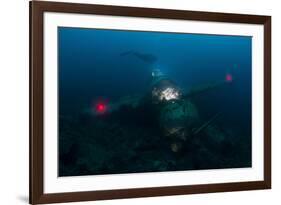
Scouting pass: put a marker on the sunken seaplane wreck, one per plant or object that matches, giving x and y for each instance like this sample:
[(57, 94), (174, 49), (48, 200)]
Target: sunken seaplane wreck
[(162, 129), (165, 106)]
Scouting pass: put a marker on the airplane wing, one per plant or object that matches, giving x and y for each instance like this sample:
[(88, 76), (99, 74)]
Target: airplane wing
[(209, 86), (106, 108)]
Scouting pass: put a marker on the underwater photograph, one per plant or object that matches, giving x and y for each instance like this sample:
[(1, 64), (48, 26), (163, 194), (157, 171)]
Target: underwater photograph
[(146, 101)]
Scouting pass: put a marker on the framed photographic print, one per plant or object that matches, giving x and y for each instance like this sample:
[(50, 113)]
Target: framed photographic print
[(138, 102)]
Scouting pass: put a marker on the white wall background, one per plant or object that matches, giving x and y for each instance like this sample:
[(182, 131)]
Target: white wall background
[(14, 101)]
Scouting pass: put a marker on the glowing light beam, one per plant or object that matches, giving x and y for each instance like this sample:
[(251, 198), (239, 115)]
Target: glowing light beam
[(228, 78)]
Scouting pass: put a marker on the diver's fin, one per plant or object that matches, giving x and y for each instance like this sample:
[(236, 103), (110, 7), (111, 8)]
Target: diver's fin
[(126, 53), (145, 57), (195, 131)]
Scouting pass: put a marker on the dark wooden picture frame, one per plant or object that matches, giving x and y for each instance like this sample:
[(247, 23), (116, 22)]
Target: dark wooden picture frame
[(37, 9)]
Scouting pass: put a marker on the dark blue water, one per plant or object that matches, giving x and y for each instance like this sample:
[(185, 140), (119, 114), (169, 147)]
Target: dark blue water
[(91, 67)]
